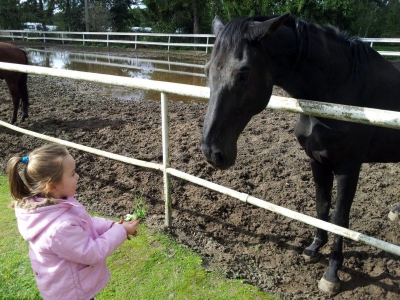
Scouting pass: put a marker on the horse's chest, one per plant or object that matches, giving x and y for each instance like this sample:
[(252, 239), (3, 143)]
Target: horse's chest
[(322, 141)]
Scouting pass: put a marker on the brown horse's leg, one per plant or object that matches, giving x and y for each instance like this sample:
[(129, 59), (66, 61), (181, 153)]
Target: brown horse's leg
[(23, 92), (13, 87)]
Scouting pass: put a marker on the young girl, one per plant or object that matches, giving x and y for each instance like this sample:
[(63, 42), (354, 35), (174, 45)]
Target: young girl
[(67, 247)]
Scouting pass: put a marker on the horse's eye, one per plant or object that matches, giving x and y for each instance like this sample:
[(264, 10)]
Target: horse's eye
[(243, 74)]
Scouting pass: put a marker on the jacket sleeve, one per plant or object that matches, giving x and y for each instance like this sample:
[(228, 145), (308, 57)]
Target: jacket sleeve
[(101, 225), (71, 242)]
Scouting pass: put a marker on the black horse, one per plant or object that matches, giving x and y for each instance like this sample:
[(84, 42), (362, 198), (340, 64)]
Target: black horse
[(313, 62), (16, 81)]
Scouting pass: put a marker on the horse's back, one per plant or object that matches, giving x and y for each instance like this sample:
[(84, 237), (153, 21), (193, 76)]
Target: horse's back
[(12, 54)]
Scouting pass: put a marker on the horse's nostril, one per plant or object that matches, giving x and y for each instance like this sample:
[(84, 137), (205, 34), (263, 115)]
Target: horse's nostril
[(217, 158)]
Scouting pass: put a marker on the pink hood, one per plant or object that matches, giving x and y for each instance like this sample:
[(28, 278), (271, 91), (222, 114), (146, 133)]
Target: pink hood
[(68, 248), (32, 222)]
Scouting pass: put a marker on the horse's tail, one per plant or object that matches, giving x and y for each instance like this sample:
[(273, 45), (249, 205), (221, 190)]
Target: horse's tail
[(22, 86)]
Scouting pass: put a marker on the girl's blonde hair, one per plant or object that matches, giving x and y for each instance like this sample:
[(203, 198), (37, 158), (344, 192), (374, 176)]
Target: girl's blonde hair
[(42, 167)]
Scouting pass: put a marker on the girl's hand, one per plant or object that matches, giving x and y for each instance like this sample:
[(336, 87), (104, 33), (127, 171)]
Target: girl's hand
[(130, 227)]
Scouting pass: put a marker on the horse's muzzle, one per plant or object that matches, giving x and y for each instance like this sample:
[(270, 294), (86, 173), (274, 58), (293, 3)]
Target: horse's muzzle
[(216, 157)]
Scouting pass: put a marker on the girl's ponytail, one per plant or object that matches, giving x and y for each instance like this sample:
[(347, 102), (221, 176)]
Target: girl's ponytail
[(19, 189)]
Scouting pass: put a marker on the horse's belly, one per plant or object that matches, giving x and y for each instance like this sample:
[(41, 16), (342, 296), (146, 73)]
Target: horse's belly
[(384, 146)]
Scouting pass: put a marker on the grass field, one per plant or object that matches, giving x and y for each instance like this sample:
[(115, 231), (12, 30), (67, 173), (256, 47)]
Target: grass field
[(150, 266)]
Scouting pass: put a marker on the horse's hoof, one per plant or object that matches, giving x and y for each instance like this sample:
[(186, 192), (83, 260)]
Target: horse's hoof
[(330, 288), (310, 257), (393, 216)]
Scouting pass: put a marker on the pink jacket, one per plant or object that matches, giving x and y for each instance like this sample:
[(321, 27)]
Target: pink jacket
[(68, 248)]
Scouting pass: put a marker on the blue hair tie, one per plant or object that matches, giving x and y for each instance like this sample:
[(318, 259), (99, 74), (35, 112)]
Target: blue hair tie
[(25, 160)]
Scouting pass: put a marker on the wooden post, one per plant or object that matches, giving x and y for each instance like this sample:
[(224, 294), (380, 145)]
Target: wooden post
[(165, 142)]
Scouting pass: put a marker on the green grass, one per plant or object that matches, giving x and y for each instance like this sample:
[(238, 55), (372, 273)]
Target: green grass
[(150, 266), (378, 47)]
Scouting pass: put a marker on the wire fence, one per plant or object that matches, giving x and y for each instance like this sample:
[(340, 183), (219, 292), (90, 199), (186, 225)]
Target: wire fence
[(341, 112)]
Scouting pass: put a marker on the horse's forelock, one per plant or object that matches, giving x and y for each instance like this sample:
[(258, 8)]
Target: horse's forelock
[(236, 30), (232, 33)]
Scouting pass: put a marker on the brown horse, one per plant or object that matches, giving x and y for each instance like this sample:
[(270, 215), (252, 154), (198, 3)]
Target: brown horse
[(16, 81)]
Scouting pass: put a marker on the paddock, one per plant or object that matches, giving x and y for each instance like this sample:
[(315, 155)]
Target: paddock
[(297, 183)]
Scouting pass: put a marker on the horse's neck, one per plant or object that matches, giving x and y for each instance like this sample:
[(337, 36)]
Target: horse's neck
[(319, 69)]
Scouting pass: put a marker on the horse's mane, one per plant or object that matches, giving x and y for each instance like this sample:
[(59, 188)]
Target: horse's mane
[(234, 32)]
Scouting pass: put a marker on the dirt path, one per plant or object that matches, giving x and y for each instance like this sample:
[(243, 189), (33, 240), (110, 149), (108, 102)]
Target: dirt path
[(237, 239)]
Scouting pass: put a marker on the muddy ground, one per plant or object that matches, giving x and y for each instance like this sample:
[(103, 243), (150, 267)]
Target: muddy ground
[(237, 239)]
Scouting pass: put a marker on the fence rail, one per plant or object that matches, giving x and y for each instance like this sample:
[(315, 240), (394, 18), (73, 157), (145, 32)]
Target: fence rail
[(341, 112), (107, 37)]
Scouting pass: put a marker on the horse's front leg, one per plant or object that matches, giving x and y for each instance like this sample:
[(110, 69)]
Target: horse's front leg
[(323, 179), (13, 88), (23, 94), (347, 179)]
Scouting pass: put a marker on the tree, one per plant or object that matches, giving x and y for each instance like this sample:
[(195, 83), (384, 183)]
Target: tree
[(391, 20), (71, 15), (121, 14), (99, 17), (186, 16), (9, 17)]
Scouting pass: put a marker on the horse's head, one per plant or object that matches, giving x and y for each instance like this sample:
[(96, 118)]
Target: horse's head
[(240, 78)]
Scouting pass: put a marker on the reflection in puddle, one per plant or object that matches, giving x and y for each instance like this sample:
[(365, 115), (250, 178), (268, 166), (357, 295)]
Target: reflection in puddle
[(156, 68)]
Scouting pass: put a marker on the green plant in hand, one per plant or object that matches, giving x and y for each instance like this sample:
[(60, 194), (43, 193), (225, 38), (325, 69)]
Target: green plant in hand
[(138, 213)]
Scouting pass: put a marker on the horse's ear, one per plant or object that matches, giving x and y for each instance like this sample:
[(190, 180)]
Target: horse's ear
[(259, 30), (217, 25)]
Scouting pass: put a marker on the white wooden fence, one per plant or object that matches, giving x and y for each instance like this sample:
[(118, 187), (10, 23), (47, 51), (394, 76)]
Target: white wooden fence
[(141, 38), (341, 112), (133, 38)]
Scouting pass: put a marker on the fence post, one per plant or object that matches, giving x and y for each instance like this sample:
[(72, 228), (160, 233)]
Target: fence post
[(83, 38), (169, 40), (165, 142), (135, 41), (207, 45)]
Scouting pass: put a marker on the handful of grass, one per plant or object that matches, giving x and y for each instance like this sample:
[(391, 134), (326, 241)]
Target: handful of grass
[(138, 213)]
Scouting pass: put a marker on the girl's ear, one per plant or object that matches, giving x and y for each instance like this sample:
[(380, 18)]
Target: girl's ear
[(50, 188)]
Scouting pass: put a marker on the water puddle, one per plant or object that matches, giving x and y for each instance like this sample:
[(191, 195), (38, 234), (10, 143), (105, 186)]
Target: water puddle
[(155, 68)]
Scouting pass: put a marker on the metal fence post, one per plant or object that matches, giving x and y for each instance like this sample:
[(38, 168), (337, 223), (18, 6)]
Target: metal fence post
[(169, 40), (165, 142)]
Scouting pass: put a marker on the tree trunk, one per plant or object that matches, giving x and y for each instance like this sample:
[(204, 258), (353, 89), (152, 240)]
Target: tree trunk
[(86, 15), (196, 22), (42, 14)]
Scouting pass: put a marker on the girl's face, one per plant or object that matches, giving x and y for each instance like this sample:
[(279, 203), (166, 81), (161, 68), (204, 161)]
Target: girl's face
[(67, 186)]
